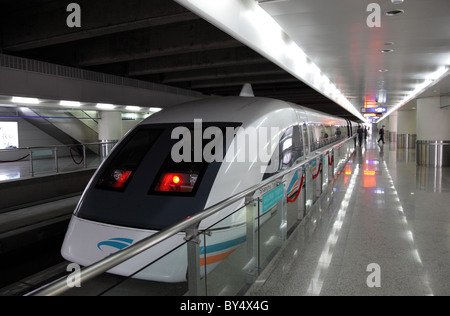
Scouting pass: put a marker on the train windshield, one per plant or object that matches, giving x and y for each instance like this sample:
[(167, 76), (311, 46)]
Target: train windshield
[(178, 157), (122, 168), (152, 179)]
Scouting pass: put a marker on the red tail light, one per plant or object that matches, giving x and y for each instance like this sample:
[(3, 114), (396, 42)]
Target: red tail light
[(121, 178), (176, 182)]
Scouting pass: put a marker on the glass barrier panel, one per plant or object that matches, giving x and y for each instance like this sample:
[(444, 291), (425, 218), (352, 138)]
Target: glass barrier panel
[(325, 167), (272, 225), (43, 160), (166, 276), (229, 253), (293, 205), (310, 191)]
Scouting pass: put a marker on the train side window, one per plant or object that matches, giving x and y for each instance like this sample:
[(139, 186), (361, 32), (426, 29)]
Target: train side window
[(125, 163), (305, 138), (312, 142), (286, 148), (298, 142)]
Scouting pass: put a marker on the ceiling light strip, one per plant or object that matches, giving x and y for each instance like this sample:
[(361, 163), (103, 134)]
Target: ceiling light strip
[(432, 79), (246, 21)]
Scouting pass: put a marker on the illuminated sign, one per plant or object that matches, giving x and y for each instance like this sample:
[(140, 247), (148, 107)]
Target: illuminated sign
[(9, 135), (373, 110), (372, 115), (370, 103)]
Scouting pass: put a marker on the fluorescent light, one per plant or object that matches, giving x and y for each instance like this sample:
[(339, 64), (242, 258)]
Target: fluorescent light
[(25, 100), (438, 73), (70, 103), (253, 26), (133, 108), (419, 89), (105, 106), (155, 109)]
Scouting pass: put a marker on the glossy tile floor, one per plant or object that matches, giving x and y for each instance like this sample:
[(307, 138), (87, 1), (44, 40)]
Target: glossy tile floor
[(384, 229)]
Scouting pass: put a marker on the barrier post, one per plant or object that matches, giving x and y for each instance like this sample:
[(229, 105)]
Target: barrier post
[(302, 197), (55, 153), (31, 162), (84, 157), (193, 256), (252, 211)]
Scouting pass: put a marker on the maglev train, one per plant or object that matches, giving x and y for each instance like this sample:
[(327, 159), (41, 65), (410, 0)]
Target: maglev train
[(157, 176)]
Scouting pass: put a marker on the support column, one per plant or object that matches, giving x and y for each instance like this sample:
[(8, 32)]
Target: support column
[(109, 130), (433, 132), (406, 129), (392, 128)]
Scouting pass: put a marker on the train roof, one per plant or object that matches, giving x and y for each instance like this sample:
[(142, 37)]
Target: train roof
[(231, 109), (218, 109)]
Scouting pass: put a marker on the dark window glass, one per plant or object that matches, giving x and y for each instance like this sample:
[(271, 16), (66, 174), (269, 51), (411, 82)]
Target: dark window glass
[(125, 163)]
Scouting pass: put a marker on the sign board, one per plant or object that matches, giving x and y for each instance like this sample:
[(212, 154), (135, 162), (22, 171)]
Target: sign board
[(373, 110), (271, 198), (372, 115), (9, 135)]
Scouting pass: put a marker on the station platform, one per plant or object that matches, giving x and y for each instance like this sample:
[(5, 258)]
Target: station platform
[(382, 230)]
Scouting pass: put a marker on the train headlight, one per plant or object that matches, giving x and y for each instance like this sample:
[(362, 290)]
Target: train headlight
[(176, 182)]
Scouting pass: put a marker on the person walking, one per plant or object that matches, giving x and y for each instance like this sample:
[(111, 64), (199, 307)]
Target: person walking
[(381, 135), (360, 135)]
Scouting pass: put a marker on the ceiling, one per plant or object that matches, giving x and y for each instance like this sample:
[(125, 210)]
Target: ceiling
[(163, 42), (338, 39)]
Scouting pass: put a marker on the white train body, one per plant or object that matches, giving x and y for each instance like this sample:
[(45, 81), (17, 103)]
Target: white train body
[(129, 197)]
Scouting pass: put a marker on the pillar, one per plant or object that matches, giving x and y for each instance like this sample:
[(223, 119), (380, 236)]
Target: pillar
[(406, 129), (392, 128), (109, 130)]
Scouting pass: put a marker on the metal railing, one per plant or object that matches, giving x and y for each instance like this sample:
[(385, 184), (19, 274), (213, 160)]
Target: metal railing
[(433, 153), (189, 226), (55, 154)]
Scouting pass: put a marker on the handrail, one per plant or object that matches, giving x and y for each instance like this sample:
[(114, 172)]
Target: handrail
[(54, 149), (60, 286), (56, 146)]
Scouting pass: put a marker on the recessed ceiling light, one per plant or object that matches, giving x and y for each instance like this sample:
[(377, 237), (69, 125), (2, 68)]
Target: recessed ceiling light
[(133, 108), (70, 103), (397, 1), (383, 70), (387, 51), (25, 100), (389, 43), (105, 106), (394, 12)]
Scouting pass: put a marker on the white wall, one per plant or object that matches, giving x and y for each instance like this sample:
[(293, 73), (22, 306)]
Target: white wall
[(407, 122), (432, 121)]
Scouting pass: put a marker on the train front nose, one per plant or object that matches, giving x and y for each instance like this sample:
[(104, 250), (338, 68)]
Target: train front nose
[(88, 242)]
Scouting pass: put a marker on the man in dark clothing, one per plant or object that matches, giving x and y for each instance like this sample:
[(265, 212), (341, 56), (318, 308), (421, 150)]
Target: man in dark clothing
[(381, 135), (360, 134)]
